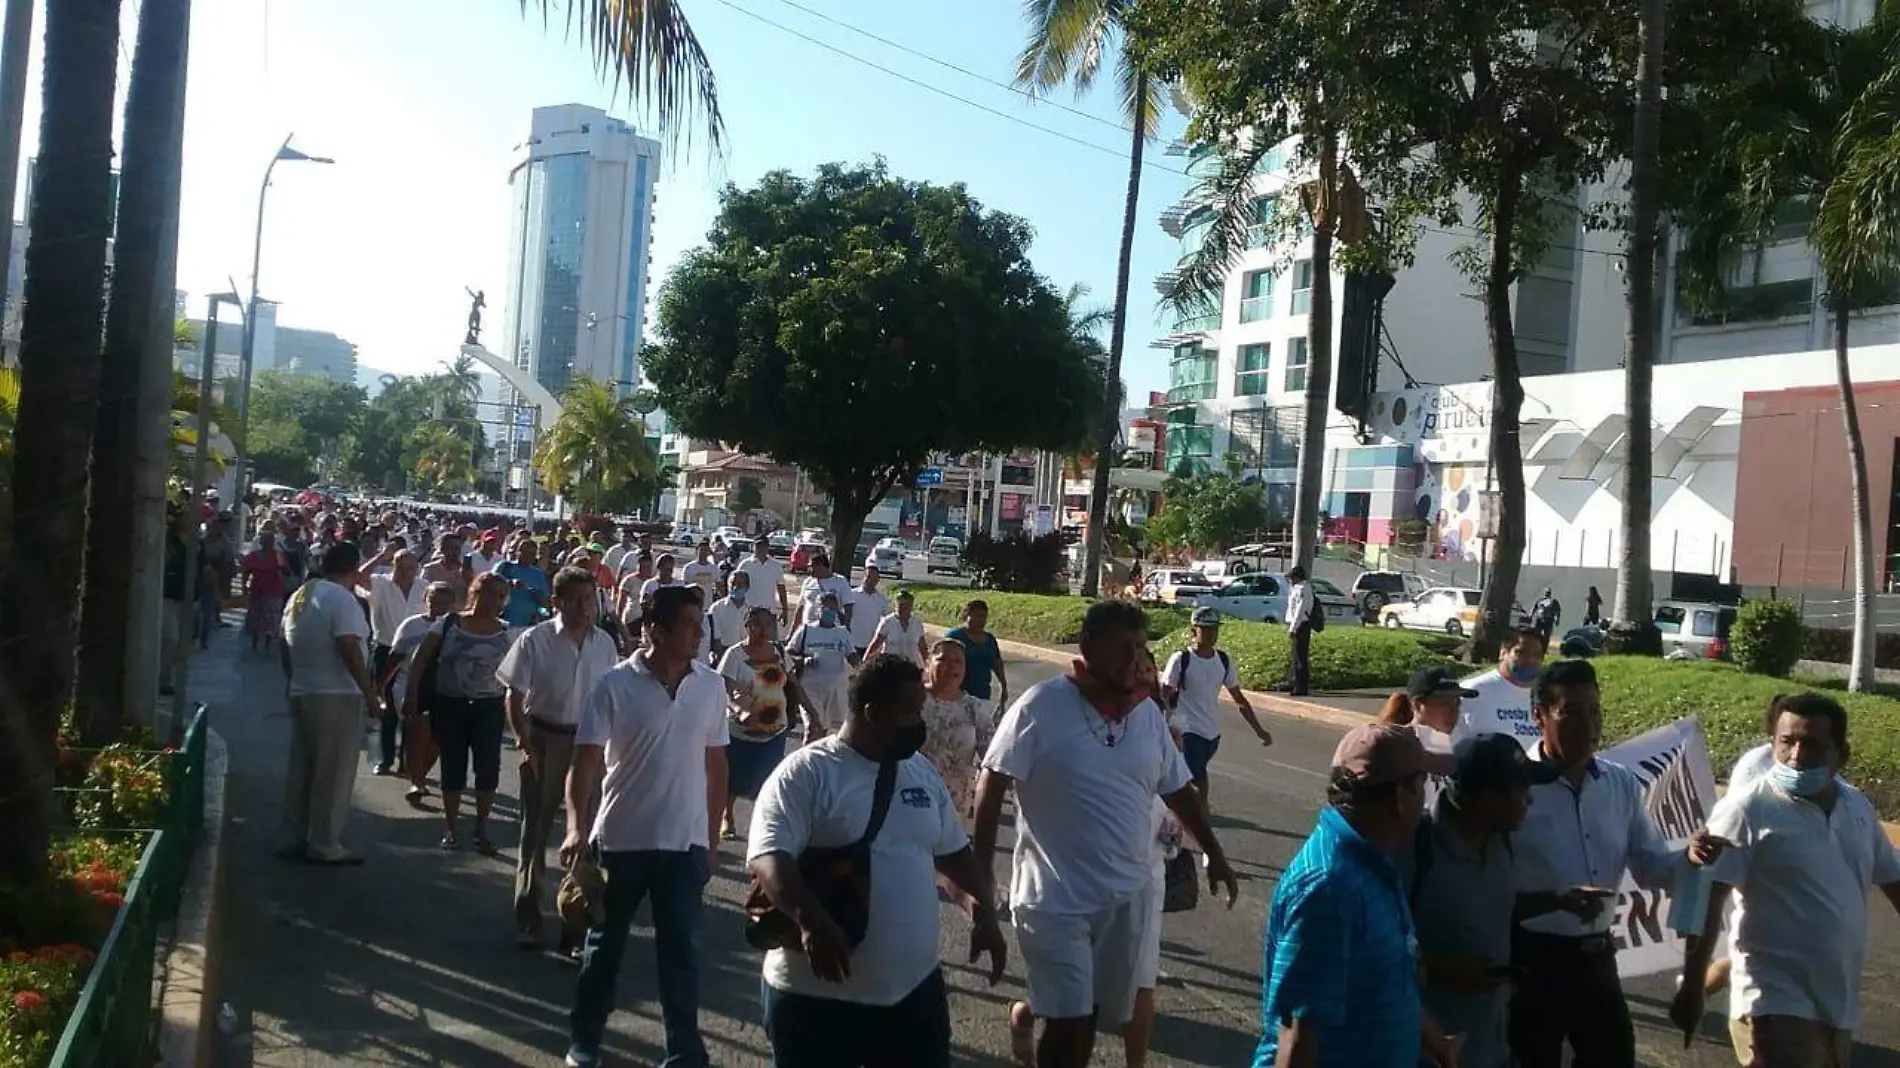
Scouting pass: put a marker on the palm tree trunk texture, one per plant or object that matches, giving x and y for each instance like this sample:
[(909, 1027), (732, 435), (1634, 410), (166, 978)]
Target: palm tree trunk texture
[(1635, 626), (61, 336), (1319, 359), (148, 199), (1507, 401), (1860, 672), (1112, 375)]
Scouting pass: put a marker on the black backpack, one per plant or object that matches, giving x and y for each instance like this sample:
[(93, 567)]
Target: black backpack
[(425, 688), (1179, 675)]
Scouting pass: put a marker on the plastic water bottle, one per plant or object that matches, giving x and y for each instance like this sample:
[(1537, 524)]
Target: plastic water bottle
[(1689, 901)]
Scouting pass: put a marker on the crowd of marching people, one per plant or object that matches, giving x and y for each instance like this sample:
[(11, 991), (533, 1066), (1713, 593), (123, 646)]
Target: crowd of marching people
[(1451, 906)]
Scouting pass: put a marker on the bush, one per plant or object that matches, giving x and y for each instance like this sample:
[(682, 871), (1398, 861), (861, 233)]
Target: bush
[(1766, 638), (1640, 693), (1017, 563), (1836, 646), (1042, 619)]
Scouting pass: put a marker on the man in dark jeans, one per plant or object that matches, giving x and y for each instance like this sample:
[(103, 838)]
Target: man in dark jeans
[(658, 720), (1300, 607)]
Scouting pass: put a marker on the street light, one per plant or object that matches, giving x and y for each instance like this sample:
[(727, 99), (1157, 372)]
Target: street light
[(285, 154)]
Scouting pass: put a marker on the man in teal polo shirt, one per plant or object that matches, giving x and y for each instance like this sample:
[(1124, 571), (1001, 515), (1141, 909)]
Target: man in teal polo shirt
[(1340, 956)]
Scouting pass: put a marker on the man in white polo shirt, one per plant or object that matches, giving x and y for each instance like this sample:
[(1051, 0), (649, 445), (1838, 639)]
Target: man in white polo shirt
[(869, 606), (1087, 754), (656, 725), (549, 671), (767, 577), (1806, 847)]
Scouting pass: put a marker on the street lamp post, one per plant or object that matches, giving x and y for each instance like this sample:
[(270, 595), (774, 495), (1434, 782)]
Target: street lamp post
[(200, 484), (285, 153)]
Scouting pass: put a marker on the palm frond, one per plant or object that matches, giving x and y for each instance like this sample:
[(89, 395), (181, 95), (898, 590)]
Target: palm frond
[(1196, 285), (650, 47), (1151, 91), (1857, 223), (1068, 41)]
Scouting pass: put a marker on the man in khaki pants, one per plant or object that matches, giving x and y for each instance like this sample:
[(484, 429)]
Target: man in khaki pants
[(548, 672), (325, 629)]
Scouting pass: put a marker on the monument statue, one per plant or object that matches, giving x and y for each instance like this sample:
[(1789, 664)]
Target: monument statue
[(477, 296)]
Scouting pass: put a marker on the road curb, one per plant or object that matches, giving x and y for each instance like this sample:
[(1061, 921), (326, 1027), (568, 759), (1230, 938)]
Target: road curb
[(1279, 704), (188, 1004)]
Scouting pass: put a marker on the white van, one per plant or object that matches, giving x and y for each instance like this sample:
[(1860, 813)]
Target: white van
[(946, 555)]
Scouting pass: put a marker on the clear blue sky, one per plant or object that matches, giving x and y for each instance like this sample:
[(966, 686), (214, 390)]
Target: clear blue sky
[(420, 101)]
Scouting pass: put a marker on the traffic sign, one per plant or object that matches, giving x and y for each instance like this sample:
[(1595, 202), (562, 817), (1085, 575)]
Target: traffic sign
[(929, 476)]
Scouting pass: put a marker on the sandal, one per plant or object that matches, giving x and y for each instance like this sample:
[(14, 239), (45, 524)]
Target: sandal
[(1022, 1034), (485, 847), (728, 831), (449, 841)]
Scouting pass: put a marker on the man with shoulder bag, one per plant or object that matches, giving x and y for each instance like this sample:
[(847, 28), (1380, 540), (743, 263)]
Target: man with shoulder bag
[(847, 840)]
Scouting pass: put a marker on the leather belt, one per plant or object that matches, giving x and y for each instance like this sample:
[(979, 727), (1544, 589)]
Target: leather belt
[(552, 727)]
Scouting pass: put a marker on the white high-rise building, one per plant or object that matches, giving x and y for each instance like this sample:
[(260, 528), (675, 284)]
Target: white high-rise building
[(578, 258)]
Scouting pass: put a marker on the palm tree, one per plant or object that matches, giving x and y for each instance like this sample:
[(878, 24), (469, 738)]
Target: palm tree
[(444, 460), (460, 381), (1817, 131), (596, 447), (1635, 631), (1068, 40), (651, 48)]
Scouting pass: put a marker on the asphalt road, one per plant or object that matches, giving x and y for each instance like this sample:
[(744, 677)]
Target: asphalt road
[(409, 959)]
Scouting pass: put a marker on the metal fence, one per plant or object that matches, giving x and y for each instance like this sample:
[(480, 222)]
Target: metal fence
[(113, 1024)]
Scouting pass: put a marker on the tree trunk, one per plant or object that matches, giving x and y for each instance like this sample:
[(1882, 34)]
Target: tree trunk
[(847, 525), (153, 110), (60, 341), (1319, 359), (1507, 399), (13, 63), (1860, 672), (1112, 374), (1634, 629)]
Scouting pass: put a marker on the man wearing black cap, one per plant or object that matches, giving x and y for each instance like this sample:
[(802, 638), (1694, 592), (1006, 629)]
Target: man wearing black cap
[(1458, 880)]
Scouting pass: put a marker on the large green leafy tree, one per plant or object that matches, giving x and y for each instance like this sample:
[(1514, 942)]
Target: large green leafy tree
[(1206, 512), (298, 423), (1808, 128), (1069, 41), (595, 449), (853, 323)]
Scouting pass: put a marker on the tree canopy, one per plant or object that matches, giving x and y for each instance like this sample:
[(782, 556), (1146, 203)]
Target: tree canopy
[(1208, 512), (596, 453), (852, 323)]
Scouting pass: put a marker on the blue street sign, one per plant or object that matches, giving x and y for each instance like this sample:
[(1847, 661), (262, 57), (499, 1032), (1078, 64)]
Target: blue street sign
[(930, 476)]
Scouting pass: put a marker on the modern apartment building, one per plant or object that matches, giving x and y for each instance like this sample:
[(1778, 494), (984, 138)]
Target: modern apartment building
[(582, 231)]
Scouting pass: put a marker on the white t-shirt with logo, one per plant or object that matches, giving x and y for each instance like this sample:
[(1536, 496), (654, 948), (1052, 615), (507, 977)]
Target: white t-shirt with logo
[(1200, 679), (318, 614), (868, 609), (829, 647), (901, 640), (821, 796), (1501, 707), (705, 576), (1085, 827)]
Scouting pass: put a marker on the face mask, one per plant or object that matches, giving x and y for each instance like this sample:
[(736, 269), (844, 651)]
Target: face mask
[(738, 596), (828, 617), (907, 740), (1801, 782), (1524, 676)]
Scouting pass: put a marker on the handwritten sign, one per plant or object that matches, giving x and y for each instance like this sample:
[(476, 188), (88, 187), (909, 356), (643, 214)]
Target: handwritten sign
[(1678, 791)]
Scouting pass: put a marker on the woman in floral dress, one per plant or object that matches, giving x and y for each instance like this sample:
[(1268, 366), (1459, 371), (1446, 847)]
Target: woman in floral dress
[(957, 726), (763, 697), (265, 587)]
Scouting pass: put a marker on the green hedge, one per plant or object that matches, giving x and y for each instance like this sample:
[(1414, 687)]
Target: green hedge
[(1344, 658), (1640, 693)]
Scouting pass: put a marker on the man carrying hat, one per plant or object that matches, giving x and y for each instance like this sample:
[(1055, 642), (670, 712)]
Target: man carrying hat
[(1339, 974), (1457, 875)]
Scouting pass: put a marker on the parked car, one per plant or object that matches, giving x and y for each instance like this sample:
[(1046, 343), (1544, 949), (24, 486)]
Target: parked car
[(1218, 571), (802, 555), (1254, 556), (780, 543), (822, 537), (945, 555), (1452, 609), (1582, 643), (728, 534), (888, 559), (1695, 630), (1174, 585), (1373, 590), (891, 543), (687, 534), (1262, 597)]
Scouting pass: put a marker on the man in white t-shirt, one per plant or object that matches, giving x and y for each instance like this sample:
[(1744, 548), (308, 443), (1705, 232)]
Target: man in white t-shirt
[(1087, 754), (821, 581), (725, 620), (822, 650), (702, 572), (484, 558), (393, 597), (620, 553), (881, 1001), (1502, 704), (1805, 848), (655, 728), (767, 577), (901, 633), (869, 606), (1191, 686), (417, 745), (326, 659)]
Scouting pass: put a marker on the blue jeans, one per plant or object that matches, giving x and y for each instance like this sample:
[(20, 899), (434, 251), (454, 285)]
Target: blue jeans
[(676, 881), (811, 1032), (205, 622)]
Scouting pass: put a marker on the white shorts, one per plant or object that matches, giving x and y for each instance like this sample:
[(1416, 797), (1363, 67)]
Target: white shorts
[(1148, 964), (831, 697), (1091, 963)]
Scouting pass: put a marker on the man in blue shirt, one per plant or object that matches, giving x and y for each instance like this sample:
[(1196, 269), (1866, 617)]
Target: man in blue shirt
[(1340, 965), (528, 588)]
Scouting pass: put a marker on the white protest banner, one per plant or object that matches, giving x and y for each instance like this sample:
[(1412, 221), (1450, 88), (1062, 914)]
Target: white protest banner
[(1678, 791)]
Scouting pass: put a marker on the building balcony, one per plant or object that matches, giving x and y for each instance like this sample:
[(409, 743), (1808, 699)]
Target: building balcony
[(1189, 328)]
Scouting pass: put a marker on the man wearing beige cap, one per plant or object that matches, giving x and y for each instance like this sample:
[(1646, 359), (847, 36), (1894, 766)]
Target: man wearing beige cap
[(1340, 969)]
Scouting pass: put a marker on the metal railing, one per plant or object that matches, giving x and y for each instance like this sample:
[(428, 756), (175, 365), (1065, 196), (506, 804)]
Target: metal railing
[(112, 1025)]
